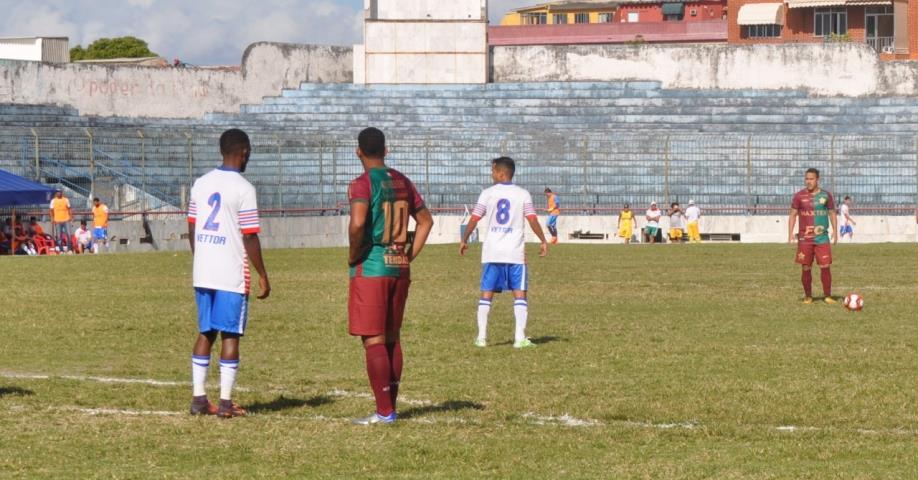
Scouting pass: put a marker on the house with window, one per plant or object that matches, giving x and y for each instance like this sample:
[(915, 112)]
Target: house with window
[(566, 12), (563, 12), (882, 24)]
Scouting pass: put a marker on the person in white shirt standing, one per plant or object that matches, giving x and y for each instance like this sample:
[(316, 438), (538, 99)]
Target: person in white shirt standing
[(223, 229), (692, 216), (507, 208), (848, 222), (653, 216)]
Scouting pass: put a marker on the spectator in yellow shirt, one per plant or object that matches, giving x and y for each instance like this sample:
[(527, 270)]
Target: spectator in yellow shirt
[(61, 214)]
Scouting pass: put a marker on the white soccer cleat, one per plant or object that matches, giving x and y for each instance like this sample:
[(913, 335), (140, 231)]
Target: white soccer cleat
[(524, 343), (480, 343), (374, 419)]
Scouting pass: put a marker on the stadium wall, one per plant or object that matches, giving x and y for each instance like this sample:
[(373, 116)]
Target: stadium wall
[(315, 232), (131, 91), (845, 69)]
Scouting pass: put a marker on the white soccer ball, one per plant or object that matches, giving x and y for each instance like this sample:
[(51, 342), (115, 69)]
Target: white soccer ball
[(854, 302)]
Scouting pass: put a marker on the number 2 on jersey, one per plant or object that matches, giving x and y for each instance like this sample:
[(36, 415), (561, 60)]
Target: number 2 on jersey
[(503, 211), (214, 201), (396, 222)]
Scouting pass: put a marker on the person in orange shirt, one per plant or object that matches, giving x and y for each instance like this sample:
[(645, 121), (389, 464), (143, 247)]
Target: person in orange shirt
[(99, 225), (554, 210), (61, 214)]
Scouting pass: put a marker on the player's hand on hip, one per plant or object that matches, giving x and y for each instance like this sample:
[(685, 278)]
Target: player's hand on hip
[(543, 250), (265, 287), (463, 247)]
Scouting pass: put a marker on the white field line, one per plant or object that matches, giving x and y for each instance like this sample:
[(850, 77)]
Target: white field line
[(531, 417)]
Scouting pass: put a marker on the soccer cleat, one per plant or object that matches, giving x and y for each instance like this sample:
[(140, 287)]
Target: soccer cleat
[(524, 343), (554, 240), (831, 301), (375, 418), (808, 300), (201, 406), (481, 343), (230, 409)]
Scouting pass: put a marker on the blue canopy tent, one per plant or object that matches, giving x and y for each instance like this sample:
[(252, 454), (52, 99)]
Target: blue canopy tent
[(16, 191)]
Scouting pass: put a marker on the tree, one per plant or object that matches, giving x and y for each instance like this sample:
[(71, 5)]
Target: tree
[(107, 48)]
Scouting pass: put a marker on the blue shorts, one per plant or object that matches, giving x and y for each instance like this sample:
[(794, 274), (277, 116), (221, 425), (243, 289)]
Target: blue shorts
[(847, 230), (221, 311), (497, 277), (552, 221), (99, 233)]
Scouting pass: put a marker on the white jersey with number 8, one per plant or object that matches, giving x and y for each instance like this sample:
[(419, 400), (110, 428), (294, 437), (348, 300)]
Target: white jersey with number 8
[(504, 209)]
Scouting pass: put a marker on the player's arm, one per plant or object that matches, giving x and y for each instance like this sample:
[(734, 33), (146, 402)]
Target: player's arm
[(791, 223), (191, 235), (253, 250), (192, 218), (469, 228), (537, 229), (424, 221), (833, 220), (356, 230)]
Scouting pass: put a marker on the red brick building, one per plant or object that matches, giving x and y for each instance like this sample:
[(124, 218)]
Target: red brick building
[(889, 26)]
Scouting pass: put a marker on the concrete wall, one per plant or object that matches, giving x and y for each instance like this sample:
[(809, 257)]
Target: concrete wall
[(127, 91), (848, 69), (312, 232), (423, 42)]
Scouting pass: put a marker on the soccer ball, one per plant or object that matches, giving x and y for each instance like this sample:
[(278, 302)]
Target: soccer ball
[(854, 302)]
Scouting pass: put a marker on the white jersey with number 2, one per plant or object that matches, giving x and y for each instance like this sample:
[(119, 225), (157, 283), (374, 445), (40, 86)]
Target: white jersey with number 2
[(223, 208), (504, 209)]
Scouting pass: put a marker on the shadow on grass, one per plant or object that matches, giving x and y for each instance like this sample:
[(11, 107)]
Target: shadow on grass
[(537, 340), (284, 403), (19, 392), (447, 406)]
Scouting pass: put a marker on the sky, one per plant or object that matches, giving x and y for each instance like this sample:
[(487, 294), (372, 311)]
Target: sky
[(200, 32)]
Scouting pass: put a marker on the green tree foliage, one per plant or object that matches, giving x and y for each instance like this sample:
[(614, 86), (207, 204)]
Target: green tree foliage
[(107, 48)]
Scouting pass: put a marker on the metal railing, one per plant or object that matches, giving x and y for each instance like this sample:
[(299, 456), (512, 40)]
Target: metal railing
[(294, 172), (882, 44)]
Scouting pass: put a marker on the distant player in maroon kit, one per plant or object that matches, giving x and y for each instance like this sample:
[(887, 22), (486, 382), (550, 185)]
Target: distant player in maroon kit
[(382, 200), (818, 230)]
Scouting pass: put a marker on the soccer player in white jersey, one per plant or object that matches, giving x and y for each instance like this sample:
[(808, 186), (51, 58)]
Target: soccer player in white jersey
[(223, 229), (847, 228), (507, 208)]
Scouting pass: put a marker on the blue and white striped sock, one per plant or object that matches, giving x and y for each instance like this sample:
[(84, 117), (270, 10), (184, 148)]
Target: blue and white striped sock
[(484, 309), (521, 312), (228, 370), (199, 367)]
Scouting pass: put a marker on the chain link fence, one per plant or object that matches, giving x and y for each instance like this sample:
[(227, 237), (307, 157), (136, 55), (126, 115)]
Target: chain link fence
[(302, 173)]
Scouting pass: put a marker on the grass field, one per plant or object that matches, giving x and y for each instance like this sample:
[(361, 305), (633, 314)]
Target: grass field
[(654, 362)]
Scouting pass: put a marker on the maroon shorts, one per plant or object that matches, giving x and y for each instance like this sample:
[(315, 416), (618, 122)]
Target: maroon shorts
[(808, 251), (376, 305)]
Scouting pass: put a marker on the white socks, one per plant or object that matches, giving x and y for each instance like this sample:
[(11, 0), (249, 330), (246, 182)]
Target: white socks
[(484, 308), (227, 378), (521, 312), (199, 366)]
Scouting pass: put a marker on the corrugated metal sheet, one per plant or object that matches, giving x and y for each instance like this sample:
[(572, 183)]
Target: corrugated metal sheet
[(55, 50)]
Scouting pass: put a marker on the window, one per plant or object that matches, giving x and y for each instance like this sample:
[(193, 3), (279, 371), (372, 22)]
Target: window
[(633, 17), (830, 21), (761, 31), (672, 18), (535, 18), (582, 18), (559, 18), (605, 17)]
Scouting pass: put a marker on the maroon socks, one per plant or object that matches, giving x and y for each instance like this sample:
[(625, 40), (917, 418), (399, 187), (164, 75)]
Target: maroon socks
[(807, 279), (379, 369), (826, 275), (395, 357)]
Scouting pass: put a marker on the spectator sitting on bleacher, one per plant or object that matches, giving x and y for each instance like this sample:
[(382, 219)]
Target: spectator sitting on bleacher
[(82, 238)]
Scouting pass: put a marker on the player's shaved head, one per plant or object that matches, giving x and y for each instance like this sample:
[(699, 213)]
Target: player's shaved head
[(234, 141), (372, 142), (813, 171), (504, 164)]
